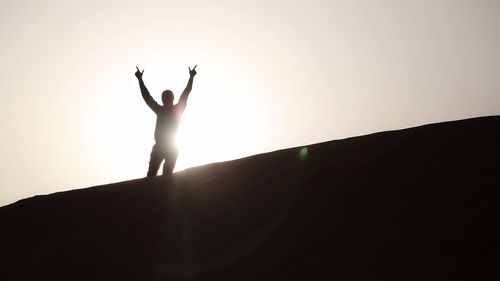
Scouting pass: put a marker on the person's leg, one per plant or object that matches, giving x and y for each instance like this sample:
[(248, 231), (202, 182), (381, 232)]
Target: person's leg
[(170, 160), (155, 160)]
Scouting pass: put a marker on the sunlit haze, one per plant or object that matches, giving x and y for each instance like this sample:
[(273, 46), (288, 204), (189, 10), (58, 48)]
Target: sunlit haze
[(271, 75)]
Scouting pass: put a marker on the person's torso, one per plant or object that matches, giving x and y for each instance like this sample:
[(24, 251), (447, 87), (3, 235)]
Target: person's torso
[(167, 122)]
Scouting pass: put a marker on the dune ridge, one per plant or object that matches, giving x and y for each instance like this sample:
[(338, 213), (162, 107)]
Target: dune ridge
[(413, 204)]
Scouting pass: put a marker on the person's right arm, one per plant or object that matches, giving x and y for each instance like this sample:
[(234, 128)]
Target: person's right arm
[(145, 93)]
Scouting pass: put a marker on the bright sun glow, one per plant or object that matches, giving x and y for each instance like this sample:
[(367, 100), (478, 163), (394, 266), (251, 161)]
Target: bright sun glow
[(219, 124)]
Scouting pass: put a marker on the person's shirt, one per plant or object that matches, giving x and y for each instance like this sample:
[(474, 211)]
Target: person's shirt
[(167, 122), (167, 117)]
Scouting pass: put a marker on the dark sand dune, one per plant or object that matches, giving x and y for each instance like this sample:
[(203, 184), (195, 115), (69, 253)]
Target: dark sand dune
[(414, 204)]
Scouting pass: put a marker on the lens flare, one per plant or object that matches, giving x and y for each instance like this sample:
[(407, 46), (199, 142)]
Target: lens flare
[(303, 153)]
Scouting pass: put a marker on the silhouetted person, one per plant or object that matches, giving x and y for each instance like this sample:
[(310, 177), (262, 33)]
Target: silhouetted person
[(168, 117)]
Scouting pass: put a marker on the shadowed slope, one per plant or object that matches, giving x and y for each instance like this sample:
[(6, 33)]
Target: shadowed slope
[(413, 204)]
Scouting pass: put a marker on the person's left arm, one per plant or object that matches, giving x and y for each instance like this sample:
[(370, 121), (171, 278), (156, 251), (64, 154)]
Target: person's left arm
[(185, 94)]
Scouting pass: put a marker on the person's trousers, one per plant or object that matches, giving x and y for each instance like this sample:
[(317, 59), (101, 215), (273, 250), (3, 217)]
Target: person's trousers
[(161, 152)]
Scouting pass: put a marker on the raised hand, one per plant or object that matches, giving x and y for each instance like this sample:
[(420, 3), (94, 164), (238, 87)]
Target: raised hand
[(138, 73), (192, 72)]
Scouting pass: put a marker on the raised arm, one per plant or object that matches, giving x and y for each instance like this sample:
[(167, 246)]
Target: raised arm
[(145, 93), (185, 94)]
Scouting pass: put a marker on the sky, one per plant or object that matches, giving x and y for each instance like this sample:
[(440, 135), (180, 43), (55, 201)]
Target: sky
[(272, 74)]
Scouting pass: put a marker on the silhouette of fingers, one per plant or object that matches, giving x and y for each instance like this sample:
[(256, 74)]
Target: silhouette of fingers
[(137, 69), (195, 67)]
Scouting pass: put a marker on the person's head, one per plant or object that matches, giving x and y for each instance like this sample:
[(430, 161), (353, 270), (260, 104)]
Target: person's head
[(167, 97)]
